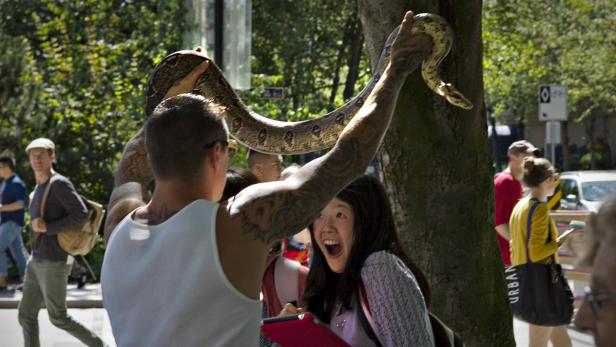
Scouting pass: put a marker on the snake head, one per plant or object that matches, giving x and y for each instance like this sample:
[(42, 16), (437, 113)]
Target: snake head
[(454, 96)]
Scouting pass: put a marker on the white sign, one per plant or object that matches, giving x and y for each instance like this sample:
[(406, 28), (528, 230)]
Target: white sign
[(552, 102), (552, 132)]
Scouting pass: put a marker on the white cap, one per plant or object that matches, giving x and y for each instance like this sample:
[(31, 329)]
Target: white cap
[(41, 142)]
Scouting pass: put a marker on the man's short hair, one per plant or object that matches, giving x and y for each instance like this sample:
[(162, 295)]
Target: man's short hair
[(256, 157), (523, 147), (179, 132), (9, 161)]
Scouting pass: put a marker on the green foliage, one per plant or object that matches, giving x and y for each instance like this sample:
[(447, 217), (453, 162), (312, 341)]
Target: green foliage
[(77, 70), (297, 45), (569, 42)]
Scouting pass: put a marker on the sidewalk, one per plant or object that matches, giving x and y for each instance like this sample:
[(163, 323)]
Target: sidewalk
[(94, 319), (578, 338), (86, 297), (89, 298)]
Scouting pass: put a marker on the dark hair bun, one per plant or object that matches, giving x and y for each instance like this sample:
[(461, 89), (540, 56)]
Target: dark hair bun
[(536, 170), (529, 164)]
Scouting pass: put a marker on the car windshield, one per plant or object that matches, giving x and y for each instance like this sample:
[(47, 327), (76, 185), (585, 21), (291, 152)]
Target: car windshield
[(599, 190)]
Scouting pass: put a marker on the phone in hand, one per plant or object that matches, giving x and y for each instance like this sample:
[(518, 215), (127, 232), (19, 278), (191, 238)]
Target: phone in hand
[(574, 225)]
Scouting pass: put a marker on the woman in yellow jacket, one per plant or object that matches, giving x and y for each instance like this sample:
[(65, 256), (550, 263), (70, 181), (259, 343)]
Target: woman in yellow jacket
[(541, 179)]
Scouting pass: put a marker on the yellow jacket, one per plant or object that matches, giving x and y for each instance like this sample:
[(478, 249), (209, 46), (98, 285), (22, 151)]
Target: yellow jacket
[(541, 223)]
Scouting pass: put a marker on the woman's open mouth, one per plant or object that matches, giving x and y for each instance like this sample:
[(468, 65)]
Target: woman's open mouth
[(333, 247)]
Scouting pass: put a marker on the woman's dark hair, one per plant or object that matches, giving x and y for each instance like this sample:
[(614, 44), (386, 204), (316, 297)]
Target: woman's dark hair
[(236, 181), (536, 170), (373, 231)]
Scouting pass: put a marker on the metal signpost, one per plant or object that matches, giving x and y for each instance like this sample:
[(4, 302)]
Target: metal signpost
[(553, 110)]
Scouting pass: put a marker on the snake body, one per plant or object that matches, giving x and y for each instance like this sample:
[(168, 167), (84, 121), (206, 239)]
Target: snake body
[(272, 136)]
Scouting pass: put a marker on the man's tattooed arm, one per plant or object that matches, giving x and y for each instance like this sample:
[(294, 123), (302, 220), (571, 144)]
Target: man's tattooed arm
[(271, 211), (131, 183)]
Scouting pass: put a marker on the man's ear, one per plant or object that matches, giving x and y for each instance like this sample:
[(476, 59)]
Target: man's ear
[(259, 170), (214, 155)]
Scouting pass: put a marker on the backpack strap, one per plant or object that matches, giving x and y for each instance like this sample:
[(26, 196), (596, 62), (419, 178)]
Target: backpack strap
[(45, 195), (528, 225), (302, 276)]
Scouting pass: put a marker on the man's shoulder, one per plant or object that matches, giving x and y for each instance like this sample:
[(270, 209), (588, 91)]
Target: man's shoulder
[(505, 179), (15, 182), (504, 176), (61, 182)]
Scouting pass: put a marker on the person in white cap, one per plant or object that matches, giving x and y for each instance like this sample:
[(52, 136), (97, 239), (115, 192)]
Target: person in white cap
[(48, 269)]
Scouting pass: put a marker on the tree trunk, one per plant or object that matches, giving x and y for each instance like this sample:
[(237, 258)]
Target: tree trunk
[(356, 40), (336, 80), (438, 174)]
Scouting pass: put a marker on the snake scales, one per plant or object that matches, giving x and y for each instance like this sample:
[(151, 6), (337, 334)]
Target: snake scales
[(272, 136)]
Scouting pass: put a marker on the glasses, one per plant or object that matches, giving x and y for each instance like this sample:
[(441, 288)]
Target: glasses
[(597, 301)]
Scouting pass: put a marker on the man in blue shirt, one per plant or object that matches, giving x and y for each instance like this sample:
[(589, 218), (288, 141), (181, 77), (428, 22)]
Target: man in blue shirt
[(12, 203)]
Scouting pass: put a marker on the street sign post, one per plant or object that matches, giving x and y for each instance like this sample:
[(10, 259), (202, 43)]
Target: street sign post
[(552, 102), (552, 138)]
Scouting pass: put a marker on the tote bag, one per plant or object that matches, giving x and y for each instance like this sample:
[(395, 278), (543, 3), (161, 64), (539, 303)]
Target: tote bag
[(539, 293)]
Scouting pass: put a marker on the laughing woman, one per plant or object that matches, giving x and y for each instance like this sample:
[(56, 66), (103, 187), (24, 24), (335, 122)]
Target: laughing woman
[(361, 282)]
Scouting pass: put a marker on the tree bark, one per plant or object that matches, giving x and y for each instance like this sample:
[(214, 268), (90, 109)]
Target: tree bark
[(356, 41), (437, 170)]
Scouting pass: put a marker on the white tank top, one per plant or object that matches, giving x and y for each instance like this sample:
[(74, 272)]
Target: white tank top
[(163, 285)]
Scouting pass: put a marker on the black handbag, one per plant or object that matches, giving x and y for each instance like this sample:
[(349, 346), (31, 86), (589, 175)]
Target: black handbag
[(539, 293)]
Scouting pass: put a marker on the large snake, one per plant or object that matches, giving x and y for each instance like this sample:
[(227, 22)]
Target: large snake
[(271, 136)]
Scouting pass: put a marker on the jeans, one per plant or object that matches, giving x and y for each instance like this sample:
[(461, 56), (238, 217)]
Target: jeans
[(45, 283), (10, 238)]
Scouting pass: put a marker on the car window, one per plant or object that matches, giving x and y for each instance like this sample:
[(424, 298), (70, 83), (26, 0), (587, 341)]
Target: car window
[(599, 190), (568, 187)]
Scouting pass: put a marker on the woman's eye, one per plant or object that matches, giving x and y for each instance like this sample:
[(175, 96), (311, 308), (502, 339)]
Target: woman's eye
[(340, 215)]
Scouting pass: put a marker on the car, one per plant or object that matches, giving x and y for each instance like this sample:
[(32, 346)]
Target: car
[(586, 190)]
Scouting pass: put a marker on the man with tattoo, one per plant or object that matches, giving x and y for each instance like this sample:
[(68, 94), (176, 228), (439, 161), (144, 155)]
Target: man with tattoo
[(183, 270)]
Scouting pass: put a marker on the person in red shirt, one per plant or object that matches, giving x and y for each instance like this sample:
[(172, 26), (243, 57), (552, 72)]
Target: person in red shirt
[(508, 190)]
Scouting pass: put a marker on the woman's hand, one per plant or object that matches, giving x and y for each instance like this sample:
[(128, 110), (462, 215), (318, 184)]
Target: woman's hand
[(289, 309)]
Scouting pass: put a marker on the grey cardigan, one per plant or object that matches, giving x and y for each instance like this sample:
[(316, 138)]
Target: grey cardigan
[(398, 309)]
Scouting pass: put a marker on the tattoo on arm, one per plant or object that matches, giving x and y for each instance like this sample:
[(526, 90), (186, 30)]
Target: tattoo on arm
[(134, 166), (271, 215), (131, 182), (269, 212)]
